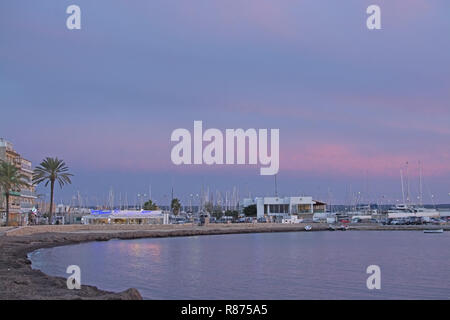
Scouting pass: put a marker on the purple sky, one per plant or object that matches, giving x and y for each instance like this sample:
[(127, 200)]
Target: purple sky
[(352, 105)]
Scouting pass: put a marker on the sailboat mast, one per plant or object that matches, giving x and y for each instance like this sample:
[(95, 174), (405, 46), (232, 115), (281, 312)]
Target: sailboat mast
[(420, 185), (408, 198), (276, 189), (403, 189)]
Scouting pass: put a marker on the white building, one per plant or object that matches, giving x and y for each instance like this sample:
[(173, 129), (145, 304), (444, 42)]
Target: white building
[(285, 206)]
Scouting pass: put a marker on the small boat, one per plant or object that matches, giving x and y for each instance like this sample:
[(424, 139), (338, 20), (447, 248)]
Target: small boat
[(331, 228), (308, 228), (434, 231), (343, 228)]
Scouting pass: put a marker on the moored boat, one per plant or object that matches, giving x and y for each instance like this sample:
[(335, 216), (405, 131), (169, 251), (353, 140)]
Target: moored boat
[(434, 231)]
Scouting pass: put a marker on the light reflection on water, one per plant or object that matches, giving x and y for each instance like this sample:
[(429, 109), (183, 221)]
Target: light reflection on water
[(296, 265)]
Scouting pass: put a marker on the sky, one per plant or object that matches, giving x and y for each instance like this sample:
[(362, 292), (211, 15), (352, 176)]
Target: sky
[(353, 105)]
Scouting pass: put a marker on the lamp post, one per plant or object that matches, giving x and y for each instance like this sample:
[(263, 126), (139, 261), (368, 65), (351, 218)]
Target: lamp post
[(199, 203), (141, 199), (166, 200), (137, 204)]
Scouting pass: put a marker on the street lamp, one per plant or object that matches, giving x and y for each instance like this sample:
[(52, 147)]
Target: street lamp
[(141, 199), (137, 204)]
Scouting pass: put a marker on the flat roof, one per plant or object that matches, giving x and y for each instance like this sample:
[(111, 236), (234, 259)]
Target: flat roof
[(124, 214)]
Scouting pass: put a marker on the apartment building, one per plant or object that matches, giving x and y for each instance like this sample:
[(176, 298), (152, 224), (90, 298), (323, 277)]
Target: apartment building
[(23, 200)]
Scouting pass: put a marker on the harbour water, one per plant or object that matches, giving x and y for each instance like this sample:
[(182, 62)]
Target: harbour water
[(292, 265)]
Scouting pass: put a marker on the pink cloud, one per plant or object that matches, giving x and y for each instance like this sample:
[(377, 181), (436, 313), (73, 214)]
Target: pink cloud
[(406, 11), (416, 104), (349, 160), (235, 17), (402, 113), (103, 146)]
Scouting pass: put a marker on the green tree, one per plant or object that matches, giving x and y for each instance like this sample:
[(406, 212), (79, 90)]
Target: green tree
[(232, 213), (208, 206), (10, 180), (175, 205), (150, 205), (217, 212), (52, 170), (250, 211)]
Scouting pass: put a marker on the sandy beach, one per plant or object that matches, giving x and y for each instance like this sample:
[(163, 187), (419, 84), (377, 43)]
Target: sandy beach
[(19, 281)]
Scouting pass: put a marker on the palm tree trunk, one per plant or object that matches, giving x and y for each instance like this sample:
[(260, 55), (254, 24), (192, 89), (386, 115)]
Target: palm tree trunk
[(7, 208), (52, 186)]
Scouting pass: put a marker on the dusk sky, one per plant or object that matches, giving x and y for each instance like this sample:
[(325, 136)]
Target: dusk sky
[(353, 105)]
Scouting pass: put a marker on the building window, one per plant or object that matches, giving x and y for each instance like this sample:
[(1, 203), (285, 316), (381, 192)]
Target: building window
[(304, 208)]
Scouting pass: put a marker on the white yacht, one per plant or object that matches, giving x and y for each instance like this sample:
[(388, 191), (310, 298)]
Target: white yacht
[(405, 211)]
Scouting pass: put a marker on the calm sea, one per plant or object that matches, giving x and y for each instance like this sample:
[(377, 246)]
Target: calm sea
[(293, 265)]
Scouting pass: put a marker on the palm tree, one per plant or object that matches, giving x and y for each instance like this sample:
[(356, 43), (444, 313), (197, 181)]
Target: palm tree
[(52, 170), (10, 179), (175, 205), (150, 205)]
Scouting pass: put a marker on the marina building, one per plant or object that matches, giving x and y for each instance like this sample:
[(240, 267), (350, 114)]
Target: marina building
[(65, 214), (303, 207), (126, 217), (21, 201)]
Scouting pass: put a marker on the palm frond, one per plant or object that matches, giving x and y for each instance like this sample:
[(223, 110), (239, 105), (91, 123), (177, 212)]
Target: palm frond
[(52, 170), (11, 178)]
